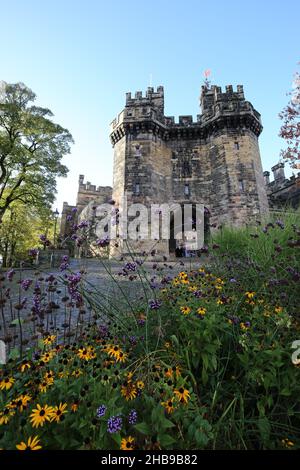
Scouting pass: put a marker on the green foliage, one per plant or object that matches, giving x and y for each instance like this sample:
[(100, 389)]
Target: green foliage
[(19, 230), (207, 367), (31, 149)]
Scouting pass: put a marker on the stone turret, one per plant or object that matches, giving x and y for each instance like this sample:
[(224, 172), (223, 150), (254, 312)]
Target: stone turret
[(213, 160)]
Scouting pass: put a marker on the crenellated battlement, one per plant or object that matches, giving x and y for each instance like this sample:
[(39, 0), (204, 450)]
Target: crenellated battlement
[(150, 95), (219, 107), (91, 188)]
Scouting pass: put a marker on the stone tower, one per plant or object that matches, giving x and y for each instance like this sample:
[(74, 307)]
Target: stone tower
[(214, 160)]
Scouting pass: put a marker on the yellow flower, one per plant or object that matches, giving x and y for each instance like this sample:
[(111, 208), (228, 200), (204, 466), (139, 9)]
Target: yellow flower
[(49, 340), (278, 309), (24, 366), (185, 281), (77, 373), (185, 310), (169, 373), (192, 288), (32, 444), (250, 294), (121, 356), (21, 402), (243, 326), (46, 357), (140, 385), (129, 376), (43, 386), (74, 407), (168, 405), (58, 412), (7, 383), (5, 415), (182, 394), (182, 275), (49, 377), (40, 414), (201, 311), (167, 344), (287, 443), (87, 353), (175, 282), (129, 391), (220, 302), (127, 443)]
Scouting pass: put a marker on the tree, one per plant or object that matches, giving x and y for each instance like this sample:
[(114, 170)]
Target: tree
[(290, 130), (31, 149), (20, 230)]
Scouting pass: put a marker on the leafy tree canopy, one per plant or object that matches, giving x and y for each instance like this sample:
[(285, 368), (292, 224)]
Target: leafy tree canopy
[(31, 149)]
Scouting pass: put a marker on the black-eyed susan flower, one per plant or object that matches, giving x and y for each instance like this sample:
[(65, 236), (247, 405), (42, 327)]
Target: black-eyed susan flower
[(31, 444), (249, 294), (201, 311), (21, 402), (25, 366), (121, 357), (245, 326), (7, 383), (182, 394), (43, 386), (77, 373), (46, 357), (129, 391), (113, 350), (40, 415), (74, 406), (182, 275), (287, 442), (169, 405), (278, 309), (5, 415), (127, 443), (49, 340), (49, 377), (140, 385), (185, 310), (58, 411)]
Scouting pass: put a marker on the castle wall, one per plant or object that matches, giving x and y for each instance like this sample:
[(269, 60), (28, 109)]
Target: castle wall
[(214, 161)]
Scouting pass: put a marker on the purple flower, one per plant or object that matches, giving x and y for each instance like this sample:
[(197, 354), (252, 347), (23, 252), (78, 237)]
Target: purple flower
[(132, 417), (26, 283), (101, 411), (130, 266), (114, 424), (10, 274), (280, 223), (83, 224), (74, 209), (32, 252), (197, 294), (232, 280), (69, 218), (154, 304), (102, 242)]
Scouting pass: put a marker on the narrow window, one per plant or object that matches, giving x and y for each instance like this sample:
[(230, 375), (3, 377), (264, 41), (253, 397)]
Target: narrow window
[(136, 189), (241, 186), (236, 146), (186, 189), (138, 151)]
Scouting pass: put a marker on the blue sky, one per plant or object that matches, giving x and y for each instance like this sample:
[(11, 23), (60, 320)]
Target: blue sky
[(81, 57)]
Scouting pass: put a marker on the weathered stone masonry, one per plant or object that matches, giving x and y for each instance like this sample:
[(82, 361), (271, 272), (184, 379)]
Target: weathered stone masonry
[(214, 161)]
